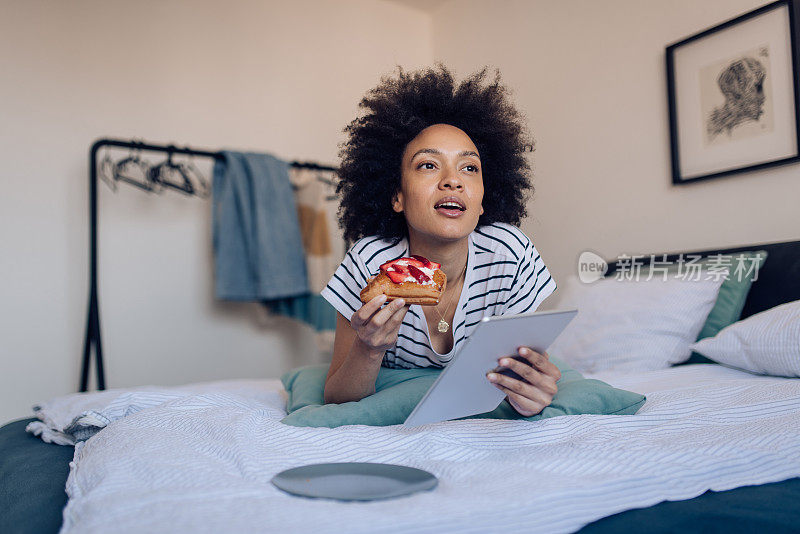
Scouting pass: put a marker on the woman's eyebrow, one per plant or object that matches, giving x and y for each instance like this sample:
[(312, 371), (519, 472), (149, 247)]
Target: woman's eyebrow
[(439, 153)]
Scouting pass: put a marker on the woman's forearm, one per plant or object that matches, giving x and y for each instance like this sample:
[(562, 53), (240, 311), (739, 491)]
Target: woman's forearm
[(355, 378)]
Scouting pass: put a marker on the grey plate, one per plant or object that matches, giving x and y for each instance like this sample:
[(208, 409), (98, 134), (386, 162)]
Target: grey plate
[(354, 481)]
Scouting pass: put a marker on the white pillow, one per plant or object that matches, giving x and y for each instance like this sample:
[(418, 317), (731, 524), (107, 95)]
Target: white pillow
[(633, 325), (766, 343)]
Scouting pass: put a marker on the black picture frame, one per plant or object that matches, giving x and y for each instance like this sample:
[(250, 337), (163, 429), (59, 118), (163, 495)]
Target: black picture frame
[(702, 144)]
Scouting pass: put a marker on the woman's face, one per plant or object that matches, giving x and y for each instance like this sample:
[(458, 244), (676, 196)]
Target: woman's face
[(441, 186)]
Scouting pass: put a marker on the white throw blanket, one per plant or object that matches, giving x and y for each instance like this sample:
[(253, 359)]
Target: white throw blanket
[(77, 417), (202, 462)]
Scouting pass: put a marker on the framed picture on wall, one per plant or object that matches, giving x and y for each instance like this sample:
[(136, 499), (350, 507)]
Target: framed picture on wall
[(733, 97)]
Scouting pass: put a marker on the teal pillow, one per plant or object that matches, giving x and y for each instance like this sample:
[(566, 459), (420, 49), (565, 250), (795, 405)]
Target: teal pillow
[(731, 298), (732, 295), (397, 392)]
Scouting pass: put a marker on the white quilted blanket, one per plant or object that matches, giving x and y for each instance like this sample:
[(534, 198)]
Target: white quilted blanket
[(202, 461)]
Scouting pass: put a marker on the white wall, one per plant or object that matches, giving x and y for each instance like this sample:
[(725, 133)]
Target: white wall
[(279, 77), (590, 76)]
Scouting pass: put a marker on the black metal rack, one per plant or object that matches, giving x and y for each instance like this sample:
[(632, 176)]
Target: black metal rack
[(93, 316)]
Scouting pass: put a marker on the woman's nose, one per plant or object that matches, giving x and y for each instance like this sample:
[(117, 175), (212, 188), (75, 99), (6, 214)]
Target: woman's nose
[(451, 180)]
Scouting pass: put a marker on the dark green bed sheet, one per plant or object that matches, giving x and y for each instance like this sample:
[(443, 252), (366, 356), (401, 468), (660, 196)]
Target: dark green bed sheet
[(32, 479), (33, 475)]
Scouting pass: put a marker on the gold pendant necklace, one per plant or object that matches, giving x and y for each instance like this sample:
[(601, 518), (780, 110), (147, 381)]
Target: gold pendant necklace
[(443, 325)]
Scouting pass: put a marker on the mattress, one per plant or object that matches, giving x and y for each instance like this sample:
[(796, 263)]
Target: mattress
[(33, 473)]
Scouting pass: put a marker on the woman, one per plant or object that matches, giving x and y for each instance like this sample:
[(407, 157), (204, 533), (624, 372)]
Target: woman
[(439, 171)]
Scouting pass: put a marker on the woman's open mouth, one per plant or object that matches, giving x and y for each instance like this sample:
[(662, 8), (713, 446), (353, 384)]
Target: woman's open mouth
[(450, 207)]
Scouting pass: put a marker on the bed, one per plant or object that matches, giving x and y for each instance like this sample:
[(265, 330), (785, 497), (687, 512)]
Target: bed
[(34, 474)]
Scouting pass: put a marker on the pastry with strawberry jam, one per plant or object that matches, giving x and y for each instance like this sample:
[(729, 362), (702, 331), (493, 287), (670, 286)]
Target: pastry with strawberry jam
[(415, 279)]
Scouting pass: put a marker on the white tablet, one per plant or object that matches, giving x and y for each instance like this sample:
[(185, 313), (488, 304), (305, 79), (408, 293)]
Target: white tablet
[(462, 388)]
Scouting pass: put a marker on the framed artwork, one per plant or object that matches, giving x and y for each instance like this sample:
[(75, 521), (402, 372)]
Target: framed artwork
[(733, 97)]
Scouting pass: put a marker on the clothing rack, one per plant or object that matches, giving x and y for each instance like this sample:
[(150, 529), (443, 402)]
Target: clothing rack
[(92, 337)]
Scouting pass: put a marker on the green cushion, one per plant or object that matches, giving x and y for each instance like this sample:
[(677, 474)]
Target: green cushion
[(732, 295), (397, 392), (731, 298)]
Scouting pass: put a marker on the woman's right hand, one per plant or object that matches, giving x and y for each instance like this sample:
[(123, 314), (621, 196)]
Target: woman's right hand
[(377, 328)]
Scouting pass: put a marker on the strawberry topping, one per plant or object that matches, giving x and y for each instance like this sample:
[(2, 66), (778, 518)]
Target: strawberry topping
[(394, 266), (400, 269), (419, 275), (425, 261), (415, 263), (396, 277)]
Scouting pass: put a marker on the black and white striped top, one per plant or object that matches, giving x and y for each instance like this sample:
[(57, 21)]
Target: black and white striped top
[(505, 276)]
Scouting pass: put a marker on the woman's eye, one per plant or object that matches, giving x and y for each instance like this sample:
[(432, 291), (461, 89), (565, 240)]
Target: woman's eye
[(472, 168), (432, 166)]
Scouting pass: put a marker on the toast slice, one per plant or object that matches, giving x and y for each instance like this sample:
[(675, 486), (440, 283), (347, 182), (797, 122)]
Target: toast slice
[(411, 292)]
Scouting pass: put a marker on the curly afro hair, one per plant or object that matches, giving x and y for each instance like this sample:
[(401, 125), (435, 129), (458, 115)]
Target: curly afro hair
[(396, 111)]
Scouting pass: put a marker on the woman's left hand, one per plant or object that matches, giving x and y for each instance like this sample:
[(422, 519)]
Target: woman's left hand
[(531, 397)]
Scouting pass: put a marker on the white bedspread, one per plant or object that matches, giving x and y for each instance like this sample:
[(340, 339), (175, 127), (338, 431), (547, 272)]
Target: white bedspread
[(202, 462)]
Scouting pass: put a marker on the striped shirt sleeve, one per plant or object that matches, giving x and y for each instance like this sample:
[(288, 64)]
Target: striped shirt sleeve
[(344, 288), (531, 285)]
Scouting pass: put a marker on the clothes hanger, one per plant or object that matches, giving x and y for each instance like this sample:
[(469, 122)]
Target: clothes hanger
[(306, 172), (172, 175), (300, 178), (192, 173), (135, 171), (106, 170)]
